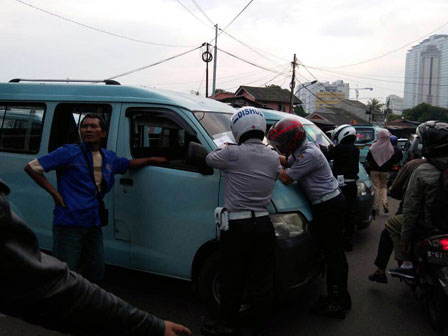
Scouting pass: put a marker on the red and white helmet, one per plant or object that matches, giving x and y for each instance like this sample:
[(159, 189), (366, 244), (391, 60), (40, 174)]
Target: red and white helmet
[(286, 135), (247, 119)]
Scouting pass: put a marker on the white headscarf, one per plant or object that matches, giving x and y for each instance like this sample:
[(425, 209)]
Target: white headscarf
[(382, 150)]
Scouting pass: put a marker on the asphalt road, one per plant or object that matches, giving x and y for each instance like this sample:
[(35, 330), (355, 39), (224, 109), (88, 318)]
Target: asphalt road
[(377, 309)]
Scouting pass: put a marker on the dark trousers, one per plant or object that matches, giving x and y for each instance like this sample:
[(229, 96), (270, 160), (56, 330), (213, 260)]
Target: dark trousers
[(328, 223), (385, 248), (350, 191), (82, 249), (248, 268)]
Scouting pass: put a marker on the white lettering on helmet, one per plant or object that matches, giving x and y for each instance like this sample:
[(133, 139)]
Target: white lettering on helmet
[(245, 112)]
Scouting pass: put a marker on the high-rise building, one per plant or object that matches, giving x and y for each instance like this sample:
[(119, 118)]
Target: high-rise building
[(319, 94), (395, 104), (426, 74)]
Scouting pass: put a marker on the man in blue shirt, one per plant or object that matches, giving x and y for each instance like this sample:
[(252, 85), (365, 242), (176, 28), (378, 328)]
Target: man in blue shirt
[(77, 234)]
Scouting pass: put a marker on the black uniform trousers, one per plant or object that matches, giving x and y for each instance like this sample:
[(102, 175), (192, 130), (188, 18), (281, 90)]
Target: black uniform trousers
[(350, 191), (248, 268), (328, 223)]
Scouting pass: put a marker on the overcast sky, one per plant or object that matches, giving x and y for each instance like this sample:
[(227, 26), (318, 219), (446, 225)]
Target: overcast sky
[(325, 35)]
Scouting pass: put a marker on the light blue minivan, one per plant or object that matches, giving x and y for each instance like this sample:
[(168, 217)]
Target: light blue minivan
[(161, 217)]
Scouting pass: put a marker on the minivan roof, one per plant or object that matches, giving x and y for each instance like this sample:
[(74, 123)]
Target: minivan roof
[(277, 115), (44, 92)]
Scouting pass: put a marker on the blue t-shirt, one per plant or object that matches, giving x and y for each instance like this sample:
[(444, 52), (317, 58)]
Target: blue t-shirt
[(75, 183)]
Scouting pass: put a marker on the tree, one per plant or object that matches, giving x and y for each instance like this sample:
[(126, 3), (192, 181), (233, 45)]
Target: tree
[(273, 86), (298, 110), (424, 112), (375, 105), (392, 117)]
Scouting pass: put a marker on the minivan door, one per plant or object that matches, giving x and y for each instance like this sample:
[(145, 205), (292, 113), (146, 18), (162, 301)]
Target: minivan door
[(166, 208)]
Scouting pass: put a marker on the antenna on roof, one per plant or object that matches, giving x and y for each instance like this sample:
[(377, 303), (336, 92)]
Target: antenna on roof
[(105, 81)]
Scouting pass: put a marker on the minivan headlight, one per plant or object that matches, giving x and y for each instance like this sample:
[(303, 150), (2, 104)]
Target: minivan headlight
[(288, 225)]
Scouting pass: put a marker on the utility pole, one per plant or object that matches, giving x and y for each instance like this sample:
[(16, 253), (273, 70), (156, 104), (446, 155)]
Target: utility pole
[(207, 58), (293, 84), (215, 60)]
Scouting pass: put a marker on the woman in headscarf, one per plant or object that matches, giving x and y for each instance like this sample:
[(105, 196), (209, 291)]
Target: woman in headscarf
[(380, 159)]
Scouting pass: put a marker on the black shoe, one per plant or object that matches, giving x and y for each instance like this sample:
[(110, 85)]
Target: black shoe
[(216, 328), (400, 272), (348, 246), (378, 277), (329, 309), (386, 210)]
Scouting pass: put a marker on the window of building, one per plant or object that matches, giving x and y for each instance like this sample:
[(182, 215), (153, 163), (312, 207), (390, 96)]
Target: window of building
[(66, 120), (21, 127), (161, 134)]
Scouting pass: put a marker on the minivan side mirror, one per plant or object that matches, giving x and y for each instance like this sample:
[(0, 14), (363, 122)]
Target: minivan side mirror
[(196, 155)]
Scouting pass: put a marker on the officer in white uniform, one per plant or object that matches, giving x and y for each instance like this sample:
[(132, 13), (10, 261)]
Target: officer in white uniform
[(309, 167), (251, 169)]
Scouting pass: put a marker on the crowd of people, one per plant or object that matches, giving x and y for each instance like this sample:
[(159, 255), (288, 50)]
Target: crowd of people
[(66, 295)]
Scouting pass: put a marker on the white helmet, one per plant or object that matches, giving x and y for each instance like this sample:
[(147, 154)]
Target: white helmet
[(247, 119), (341, 132)]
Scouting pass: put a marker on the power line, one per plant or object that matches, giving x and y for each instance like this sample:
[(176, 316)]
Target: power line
[(203, 13), (390, 52), (246, 61), (236, 17), (379, 80), (194, 15), (101, 30), (151, 65)]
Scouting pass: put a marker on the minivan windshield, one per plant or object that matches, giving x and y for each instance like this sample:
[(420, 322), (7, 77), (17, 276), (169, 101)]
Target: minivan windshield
[(217, 126), (364, 135)]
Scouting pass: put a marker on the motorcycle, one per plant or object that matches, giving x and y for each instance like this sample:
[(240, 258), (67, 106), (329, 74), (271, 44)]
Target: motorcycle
[(431, 279)]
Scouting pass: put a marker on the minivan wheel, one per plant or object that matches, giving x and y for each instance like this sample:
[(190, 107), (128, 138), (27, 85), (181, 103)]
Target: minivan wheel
[(209, 284), (436, 305)]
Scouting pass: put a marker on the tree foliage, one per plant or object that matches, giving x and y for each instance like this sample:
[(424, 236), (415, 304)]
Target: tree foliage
[(424, 112), (392, 117), (273, 86), (298, 110), (375, 105)]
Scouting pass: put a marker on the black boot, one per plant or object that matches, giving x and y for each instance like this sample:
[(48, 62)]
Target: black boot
[(334, 305), (218, 328)]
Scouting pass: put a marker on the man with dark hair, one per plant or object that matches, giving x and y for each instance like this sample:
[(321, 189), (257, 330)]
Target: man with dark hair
[(77, 234), (42, 290)]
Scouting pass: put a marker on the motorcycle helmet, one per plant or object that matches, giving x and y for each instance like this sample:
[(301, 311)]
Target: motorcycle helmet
[(393, 140), (286, 135), (247, 119), (343, 132), (434, 138)]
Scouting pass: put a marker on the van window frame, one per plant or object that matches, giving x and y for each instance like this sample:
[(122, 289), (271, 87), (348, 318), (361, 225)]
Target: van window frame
[(140, 111), (24, 104)]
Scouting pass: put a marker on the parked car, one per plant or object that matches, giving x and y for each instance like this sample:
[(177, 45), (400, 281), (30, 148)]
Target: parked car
[(315, 134), (161, 216), (365, 137)]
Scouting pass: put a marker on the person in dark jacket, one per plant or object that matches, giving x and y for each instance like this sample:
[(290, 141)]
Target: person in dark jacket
[(393, 224), (380, 159), (345, 156), (42, 290)]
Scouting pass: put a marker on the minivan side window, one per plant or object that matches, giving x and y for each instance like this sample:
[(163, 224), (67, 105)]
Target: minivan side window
[(21, 127), (159, 134), (66, 120)]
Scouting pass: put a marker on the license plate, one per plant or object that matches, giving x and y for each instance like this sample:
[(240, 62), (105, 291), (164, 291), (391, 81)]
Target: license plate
[(438, 257)]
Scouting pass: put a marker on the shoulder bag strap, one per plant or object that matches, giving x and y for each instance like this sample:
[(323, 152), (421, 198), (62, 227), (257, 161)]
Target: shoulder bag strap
[(98, 194)]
